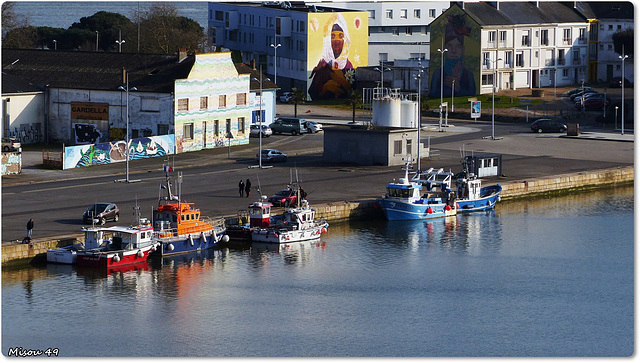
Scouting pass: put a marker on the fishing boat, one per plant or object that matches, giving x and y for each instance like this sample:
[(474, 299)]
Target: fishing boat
[(258, 214), (180, 228), (471, 196), (121, 246), (295, 225), (93, 238), (425, 196)]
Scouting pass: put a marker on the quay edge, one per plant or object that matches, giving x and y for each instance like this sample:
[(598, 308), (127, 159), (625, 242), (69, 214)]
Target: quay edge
[(17, 254)]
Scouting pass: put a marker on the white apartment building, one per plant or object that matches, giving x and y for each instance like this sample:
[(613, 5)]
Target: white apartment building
[(521, 44), (611, 17), (397, 29)]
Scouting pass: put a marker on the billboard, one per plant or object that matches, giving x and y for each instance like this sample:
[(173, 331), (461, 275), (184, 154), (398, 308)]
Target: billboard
[(460, 36), (337, 44)]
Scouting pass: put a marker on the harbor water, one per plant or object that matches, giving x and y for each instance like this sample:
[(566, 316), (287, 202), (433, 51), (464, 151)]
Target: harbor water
[(543, 277)]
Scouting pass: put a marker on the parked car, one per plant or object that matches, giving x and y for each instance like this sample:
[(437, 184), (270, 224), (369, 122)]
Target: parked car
[(616, 82), (313, 127), (101, 213), (574, 91), (284, 198), (586, 91), (272, 155), (11, 144), (255, 131), (292, 125), (286, 97), (595, 104), (585, 96), (548, 125)]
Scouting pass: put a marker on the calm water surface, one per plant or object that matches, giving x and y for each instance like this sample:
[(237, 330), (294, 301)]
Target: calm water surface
[(549, 277)]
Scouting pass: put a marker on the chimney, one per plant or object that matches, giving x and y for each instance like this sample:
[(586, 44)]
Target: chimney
[(182, 54)]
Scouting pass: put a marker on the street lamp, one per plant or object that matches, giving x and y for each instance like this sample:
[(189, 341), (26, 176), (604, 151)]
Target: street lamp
[(453, 86), (96, 40), (615, 125), (275, 62), (120, 41), (260, 124), (493, 99), (127, 89), (441, 50), (622, 57), (604, 103), (55, 44), (419, 78), (382, 69)]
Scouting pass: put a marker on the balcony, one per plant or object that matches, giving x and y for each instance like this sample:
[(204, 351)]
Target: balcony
[(561, 61)]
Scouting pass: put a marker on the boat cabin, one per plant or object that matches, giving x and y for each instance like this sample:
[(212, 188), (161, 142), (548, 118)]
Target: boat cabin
[(298, 218), (95, 237), (468, 189), (177, 219), (260, 214), (131, 238), (403, 190)]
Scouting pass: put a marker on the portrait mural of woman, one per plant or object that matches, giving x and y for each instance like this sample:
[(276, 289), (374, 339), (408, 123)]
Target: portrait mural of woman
[(343, 50), (460, 60)]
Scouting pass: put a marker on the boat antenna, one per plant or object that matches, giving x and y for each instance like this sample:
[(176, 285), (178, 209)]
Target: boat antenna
[(259, 189), (136, 212)]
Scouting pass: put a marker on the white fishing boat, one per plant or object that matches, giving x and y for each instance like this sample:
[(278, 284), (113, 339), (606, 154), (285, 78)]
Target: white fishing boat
[(94, 237), (296, 225)]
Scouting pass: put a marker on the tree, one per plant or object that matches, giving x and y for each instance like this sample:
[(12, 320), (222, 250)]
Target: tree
[(297, 97), (623, 37), (110, 27), (11, 20), (163, 31), (354, 99)]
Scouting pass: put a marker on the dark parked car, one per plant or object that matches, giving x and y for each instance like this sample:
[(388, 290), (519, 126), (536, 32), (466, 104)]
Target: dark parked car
[(581, 93), (548, 125), (574, 91), (595, 104), (101, 213), (284, 198), (616, 82), (271, 155)]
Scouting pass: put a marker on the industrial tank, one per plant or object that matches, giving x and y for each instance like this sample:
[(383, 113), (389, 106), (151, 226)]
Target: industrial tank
[(408, 113), (386, 112)]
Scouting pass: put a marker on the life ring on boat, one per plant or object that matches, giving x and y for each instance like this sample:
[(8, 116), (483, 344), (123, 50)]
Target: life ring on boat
[(170, 247), (140, 254), (116, 258), (429, 210)]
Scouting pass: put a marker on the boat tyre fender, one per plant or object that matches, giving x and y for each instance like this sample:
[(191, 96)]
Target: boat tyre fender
[(140, 254), (116, 258), (191, 240), (170, 247)]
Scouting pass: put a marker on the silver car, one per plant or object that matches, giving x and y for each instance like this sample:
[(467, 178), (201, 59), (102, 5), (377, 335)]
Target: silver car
[(255, 131), (271, 155), (313, 126)]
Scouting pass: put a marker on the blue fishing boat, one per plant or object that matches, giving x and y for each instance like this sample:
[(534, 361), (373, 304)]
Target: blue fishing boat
[(471, 196), (409, 199)]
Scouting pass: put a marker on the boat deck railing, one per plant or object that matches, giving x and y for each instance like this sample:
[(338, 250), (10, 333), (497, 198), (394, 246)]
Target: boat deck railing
[(202, 226)]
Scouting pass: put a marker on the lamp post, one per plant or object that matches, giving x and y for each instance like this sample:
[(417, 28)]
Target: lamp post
[(493, 99), (260, 122), (120, 41), (604, 103), (127, 89), (96, 40), (419, 122), (55, 44), (275, 63), (453, 86), (615, 125), (622, 57), (382, 69), (442, 51)]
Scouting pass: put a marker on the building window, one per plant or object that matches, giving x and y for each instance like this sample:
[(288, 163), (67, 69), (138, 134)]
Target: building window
[(241, 99), (222, 101), (383, 56), (183, 105), (408, 31), (565, 73), (525, 39), (619, 27), (544, 35), (228, 125), (508, 59), (609, 46), (576, 57), (487, 79), (503, 38), (219, 15), (187, 131), (408, 146), (204, 103), (610, 26), (432, 13), (520, 59), (389, 14), (416, 13), (395, 31), (601, 46), (163, 129), (241, 125), (582, 35), (372, 14), (397, 147), (403, 13), (485, 60), (492, 39), (216, 128), (561, 60), (566, 36)]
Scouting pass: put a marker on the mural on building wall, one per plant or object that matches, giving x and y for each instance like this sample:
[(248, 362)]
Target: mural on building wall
[(337, 43), (460, 36), (90, 121), (215, 78), (113, 152)]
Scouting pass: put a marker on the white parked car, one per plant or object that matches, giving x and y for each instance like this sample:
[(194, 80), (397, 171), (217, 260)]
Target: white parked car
[(254, 131), (313, 126)]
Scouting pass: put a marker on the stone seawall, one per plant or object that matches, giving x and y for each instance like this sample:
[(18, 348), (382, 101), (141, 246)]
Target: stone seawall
[(338, 211)]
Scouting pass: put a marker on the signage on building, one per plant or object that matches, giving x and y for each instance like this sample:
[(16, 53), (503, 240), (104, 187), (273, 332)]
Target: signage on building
[(89, 111)]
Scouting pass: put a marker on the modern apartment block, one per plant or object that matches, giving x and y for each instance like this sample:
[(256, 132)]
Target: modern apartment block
[(511, 45), (293, 42)]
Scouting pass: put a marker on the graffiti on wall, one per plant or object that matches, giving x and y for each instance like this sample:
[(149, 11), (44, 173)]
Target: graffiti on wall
[(111, 152), (86, 133)]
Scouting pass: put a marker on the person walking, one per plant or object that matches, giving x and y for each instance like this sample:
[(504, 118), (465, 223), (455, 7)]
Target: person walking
[(241, 188), (30, 228), (247, 187)]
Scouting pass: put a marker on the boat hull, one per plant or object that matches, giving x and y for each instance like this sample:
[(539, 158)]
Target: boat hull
[(273, 235), (187, 243), (491, 195), (395, 210), (65, 255), (111, 259)]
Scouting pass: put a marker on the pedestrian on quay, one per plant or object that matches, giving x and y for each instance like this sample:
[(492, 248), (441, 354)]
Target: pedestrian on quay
[(29, 228), (247, 187), (241, 188)]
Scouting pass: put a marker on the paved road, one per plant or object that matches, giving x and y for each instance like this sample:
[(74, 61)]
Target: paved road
[(56, 199)]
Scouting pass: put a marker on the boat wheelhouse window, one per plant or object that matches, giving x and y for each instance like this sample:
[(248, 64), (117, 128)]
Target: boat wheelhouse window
[(197, 216), (399, 193), (182, 217)]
